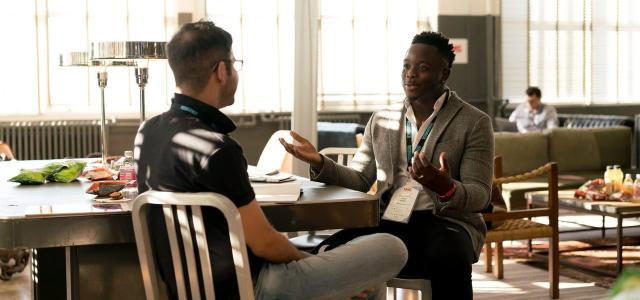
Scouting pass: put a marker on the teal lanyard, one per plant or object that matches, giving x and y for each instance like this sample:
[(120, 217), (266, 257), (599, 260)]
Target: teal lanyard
[(423, 139), (195, 114)]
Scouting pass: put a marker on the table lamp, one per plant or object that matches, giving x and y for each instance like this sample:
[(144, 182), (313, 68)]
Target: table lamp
[(137, 51), (81, 59)]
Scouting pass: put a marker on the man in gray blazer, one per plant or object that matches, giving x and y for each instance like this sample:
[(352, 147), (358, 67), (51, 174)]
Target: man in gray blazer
[(431, 159)]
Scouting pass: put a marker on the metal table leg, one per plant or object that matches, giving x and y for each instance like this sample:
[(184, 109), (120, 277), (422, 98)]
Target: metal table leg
[(619, 245), (71, 267)]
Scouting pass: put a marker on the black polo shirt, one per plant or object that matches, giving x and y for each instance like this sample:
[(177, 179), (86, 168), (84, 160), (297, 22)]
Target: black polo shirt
[(188, 149)]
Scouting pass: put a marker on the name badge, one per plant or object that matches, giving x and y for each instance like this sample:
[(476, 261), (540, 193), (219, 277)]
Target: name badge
[(401, 204)]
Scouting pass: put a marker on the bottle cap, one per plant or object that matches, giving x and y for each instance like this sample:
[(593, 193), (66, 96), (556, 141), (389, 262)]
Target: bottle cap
[(616, 166)]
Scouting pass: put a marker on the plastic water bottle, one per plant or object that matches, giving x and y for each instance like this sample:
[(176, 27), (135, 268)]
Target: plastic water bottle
[(128, 169), (617, 178), (627, 186), (608, 181)]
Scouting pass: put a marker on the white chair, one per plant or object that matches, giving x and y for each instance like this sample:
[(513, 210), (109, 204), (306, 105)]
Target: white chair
[(274, 156), (342, 155), (177, 204), (422, 285)]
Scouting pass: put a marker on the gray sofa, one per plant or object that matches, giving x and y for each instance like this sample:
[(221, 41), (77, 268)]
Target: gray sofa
[(582, 154)]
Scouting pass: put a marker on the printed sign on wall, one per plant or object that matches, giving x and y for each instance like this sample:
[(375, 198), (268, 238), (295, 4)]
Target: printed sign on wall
[(461, 49)]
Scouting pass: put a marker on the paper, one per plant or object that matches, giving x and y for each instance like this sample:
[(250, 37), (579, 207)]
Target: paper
[(283, 192), (401, 204), (258, 175)]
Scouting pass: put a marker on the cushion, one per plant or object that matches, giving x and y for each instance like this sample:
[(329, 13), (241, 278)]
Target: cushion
[(614, 145), (521, 152), (574, 149)]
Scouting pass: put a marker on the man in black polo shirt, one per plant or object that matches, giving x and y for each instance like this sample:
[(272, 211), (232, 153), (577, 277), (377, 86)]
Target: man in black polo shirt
[(188, 149)]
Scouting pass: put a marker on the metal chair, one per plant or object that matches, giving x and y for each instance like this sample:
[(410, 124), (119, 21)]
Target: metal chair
[(418, 284), (190, 227)]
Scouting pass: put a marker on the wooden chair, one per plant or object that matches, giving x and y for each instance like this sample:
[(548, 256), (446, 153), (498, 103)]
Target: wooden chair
[(187, 208), (517, 225), (5, 152)]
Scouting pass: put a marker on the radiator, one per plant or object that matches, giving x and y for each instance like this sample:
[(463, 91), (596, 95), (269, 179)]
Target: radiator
[(51, 139)]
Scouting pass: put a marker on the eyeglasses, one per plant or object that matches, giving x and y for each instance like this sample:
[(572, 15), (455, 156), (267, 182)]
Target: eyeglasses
[(237, 64)]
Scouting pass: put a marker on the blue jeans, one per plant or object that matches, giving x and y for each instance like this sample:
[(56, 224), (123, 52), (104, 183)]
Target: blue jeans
[(363, 263)]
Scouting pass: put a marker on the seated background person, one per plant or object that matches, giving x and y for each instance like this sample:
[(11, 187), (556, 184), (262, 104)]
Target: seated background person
[(188, 149), (432, 157), (533, 115)]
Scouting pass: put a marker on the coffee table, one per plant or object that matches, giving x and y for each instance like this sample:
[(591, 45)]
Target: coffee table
[(616, 209)]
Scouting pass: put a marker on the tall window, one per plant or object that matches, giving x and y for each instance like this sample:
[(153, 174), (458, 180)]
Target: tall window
[(577, 51), (263, 36), (361, 48), (361, 44), (39, 31)]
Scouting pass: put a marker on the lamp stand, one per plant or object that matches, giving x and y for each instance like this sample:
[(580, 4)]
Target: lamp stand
[(142, 77), (102, 83)]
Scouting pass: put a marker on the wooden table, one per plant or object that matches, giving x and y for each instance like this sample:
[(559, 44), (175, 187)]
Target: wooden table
[(86, 250), (615, 209)]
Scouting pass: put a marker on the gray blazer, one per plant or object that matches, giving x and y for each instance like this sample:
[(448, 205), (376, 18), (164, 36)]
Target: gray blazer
[(462, 131)]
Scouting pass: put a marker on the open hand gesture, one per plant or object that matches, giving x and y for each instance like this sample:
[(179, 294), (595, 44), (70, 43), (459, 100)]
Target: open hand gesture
[(422, 171), (303, 150)]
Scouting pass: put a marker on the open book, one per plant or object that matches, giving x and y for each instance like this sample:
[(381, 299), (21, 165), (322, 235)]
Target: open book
[(274, 186)]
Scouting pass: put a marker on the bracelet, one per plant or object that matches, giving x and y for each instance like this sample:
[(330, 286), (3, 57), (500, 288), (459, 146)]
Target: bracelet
[(450, 192)]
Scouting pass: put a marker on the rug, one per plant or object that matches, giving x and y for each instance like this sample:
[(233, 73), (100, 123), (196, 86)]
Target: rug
[(591, 260)]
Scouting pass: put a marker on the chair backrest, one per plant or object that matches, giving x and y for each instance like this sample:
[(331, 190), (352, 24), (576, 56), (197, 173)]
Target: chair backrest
[(274, 156), (5, 152), (190, 227), (342, 155)]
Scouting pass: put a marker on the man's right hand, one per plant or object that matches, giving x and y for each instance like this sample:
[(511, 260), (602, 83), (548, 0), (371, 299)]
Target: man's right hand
[(303, 150)]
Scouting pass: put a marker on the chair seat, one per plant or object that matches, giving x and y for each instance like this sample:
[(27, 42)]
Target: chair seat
[(518, 229)]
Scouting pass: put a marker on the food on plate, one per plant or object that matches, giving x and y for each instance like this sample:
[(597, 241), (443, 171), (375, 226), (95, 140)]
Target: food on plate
[(115, 195), (105, 188), (99, 174), (592, 190)]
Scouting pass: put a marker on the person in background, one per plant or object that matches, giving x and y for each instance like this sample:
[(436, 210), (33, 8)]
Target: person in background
[(189, 149), (431, 157), (533, 115)]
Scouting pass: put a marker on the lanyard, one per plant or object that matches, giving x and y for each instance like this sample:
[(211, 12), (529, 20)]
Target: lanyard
[(195, 113), (423, 139)]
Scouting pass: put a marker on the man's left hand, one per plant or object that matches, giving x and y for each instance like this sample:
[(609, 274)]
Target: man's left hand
[(422, 171)]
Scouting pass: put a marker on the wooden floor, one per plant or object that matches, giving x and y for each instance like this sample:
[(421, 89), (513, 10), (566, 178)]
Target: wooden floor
[(524, 282), (521, 282)]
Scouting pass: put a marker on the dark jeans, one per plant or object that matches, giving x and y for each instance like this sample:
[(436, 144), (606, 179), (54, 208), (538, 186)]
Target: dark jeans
[(439, 250)]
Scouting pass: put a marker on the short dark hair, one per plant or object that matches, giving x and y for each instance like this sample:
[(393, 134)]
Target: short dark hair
[(438, 40), (534, 90), (194, 49)]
